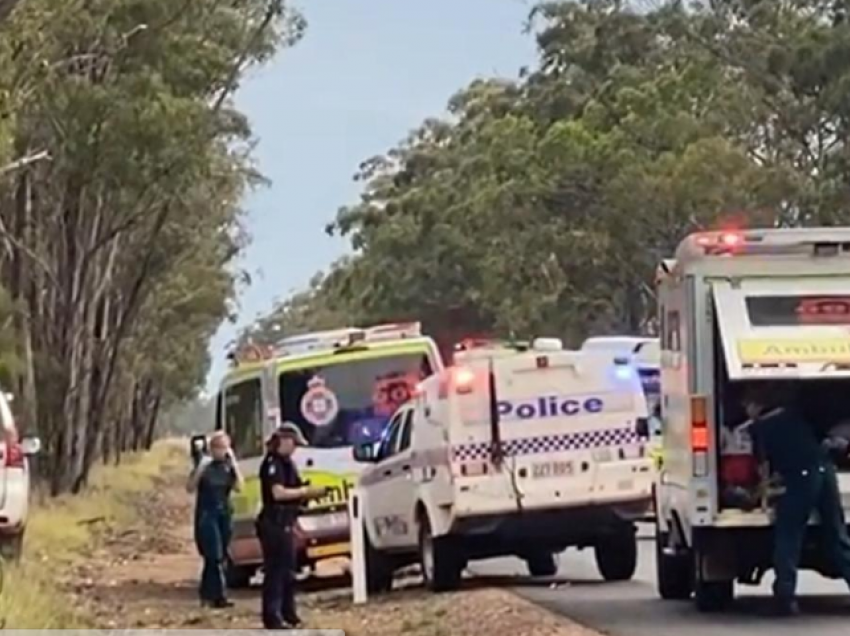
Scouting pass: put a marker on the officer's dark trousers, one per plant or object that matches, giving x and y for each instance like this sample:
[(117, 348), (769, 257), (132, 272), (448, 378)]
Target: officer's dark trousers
[(279, 562), (806, 492), (212, 535)]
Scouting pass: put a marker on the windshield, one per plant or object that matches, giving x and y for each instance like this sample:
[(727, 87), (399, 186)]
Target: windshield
[(349, 403)]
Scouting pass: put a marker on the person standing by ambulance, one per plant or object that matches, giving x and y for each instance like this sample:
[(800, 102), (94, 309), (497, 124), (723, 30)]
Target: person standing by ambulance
[(283, 495), (784, 438), (214, 478)]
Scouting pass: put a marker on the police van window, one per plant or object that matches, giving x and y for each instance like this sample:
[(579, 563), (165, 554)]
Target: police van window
[(406, 431), (672, 335), (243, 417), (390, 442), (349, 402), (796, 311)]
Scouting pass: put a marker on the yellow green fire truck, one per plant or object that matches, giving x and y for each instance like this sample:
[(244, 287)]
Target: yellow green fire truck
[(340, 388)]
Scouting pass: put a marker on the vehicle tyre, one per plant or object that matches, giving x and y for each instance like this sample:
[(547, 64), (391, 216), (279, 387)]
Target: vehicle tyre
[(542, 564), (616, 555), (441, 561), (238, 577), (12, 547), (379, 569), (713, 596), (675, 573)]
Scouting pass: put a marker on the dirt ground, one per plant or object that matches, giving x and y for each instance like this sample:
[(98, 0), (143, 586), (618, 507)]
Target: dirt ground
[(145, 577)]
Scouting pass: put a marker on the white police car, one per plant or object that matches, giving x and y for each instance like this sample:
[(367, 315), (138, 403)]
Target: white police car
[(521, 452)]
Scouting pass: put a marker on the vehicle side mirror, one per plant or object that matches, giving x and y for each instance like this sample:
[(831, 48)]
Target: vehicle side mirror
[(365, 453), (642, 427), (31, 446)]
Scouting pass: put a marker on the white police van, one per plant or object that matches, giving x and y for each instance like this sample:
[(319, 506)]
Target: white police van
[(521, 451)]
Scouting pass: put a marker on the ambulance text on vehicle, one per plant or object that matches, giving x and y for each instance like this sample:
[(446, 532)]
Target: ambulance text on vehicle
[(737, 308), (513, 451), (340, 388)]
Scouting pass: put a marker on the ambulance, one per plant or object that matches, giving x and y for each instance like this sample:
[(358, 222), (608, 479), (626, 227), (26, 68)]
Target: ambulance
[(340, 388), (520, 450), (736, 308)]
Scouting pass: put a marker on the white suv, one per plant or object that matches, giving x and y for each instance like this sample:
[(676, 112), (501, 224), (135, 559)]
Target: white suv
[(14, 481)]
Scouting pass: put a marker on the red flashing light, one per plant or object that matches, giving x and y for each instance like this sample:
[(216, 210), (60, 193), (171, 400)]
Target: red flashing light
[(731, 239), (464, 379)]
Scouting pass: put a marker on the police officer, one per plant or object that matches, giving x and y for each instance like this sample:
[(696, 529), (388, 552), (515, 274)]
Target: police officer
[(283, 495), (784, 438)]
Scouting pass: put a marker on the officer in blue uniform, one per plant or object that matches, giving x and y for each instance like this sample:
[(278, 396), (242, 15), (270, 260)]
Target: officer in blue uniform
[(283, 495), (214, 478), (790, 444)]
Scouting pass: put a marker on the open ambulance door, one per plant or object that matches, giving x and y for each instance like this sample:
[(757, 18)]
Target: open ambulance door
[(791, 328)]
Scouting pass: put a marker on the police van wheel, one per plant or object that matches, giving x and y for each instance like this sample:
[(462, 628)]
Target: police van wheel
[(379, 571), (616, 555), (442, 566), (542, 564), (238, 577), (675, 573)]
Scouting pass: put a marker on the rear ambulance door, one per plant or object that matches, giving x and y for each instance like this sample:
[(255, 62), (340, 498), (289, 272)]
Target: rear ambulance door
[(786, 328)]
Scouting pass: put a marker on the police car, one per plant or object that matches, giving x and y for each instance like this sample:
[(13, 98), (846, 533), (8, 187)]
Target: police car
[(521, 451)]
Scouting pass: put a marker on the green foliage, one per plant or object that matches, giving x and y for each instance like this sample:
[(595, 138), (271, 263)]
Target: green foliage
[(543, 205), (122, 221)]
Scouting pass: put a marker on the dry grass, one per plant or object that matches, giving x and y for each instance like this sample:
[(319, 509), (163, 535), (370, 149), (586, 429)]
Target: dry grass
[(65, 530)]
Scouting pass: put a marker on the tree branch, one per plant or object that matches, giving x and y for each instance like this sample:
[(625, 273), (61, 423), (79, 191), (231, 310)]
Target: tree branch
[(23, 162)]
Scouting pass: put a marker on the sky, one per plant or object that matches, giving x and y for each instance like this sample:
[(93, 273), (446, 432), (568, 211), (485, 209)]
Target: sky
[(365, 74)]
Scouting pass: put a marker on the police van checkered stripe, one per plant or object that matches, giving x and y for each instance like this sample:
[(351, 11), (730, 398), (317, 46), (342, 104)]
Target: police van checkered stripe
[(549, 444)]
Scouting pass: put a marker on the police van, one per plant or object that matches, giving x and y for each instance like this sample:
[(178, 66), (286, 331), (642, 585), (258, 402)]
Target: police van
[(514, 450), (736, 308)]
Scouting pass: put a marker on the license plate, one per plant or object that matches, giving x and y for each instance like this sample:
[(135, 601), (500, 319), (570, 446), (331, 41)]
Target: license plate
[(332, 521), (545, 470), (335, 549)]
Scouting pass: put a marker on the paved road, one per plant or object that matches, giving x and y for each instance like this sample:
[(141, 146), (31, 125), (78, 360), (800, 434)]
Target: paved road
[(633, 609)]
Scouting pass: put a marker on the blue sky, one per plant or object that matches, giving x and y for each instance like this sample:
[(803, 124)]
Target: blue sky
[(365, 74)]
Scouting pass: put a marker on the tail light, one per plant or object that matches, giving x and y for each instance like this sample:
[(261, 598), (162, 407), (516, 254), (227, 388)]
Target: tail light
[(699, 435)]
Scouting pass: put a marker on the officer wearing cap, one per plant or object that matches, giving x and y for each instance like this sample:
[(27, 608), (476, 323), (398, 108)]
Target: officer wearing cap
[(784, 438), (283, 494)]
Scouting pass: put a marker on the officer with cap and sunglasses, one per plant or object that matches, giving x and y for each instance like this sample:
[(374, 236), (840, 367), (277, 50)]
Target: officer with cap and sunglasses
[(283, 495)]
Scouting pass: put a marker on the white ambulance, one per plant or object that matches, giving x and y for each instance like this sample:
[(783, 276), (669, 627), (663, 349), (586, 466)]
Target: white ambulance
[(521, 451), (736, 308)]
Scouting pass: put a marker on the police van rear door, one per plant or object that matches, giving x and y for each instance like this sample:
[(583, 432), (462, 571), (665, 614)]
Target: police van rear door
[(559, 415)]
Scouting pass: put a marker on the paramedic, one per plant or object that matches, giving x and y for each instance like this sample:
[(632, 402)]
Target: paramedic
[(213, 478), (789, 443), (283, 494)]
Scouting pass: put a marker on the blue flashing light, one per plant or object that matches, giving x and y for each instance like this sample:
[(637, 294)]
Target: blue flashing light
[(623, 372)]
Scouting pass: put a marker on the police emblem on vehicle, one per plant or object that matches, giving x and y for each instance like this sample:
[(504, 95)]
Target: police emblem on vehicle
[(319, 404)]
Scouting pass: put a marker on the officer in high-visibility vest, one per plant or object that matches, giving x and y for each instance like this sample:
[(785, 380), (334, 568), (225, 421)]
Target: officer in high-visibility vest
[(784, 438), (283, 494)]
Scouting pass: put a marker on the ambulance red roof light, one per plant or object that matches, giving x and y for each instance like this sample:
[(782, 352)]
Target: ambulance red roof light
[(731, 239)]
